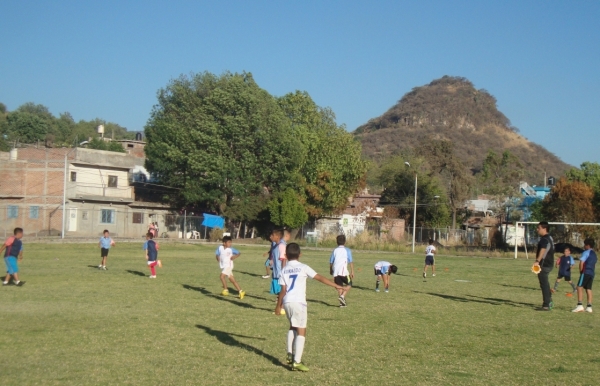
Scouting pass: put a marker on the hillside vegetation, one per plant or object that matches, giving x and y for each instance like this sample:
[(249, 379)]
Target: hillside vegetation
[(452, 109)]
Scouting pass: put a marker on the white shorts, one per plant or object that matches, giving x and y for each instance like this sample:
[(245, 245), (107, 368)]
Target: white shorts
[(296, 313), (227, 271)]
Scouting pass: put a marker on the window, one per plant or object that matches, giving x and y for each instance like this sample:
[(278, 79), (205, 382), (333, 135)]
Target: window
[(84, 215), (13, 211), (73, 176), (112, 181), (34, 211), (138, 218), (108, 216), (130, 145)]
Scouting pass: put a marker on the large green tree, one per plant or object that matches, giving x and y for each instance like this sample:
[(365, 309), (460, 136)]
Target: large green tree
[(220, 139), (500, 174), (457, 180), (329, 167), (398, 181)]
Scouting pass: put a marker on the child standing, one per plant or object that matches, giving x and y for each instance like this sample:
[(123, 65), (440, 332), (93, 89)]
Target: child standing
[(564, 264), (338, 267), (292, 298), (383, 270), (429, 259), (105, 243), (587, 267), (151, 249), (225, 256), (13, 253)]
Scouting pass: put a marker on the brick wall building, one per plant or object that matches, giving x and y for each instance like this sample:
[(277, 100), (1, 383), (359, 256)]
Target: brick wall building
[(99, 193)]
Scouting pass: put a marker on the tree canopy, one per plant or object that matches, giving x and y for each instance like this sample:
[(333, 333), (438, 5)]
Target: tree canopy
[(223, 140)]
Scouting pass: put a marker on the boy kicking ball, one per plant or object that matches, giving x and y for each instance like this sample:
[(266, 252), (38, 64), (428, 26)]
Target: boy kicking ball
[(587, 266), (338, 267), (383, 270), (292, 298), (225, 257), (564, 264), (429, 259)]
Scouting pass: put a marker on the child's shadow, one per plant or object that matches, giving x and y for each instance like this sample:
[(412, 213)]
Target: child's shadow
[(138, 273), (206, 292), (228, 339)]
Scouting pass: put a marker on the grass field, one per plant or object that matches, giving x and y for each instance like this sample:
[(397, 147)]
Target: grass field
[(73, 324)]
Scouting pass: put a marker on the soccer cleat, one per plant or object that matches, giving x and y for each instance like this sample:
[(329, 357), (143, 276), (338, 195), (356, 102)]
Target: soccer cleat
[(588, 309), (342, 301), (290, 358), (20, 284), (387, 290), (299, 367), (579, 308), (266, 276), (100, 266), (242, 294), (225, 292), (376, 289), (342, 306), (551, 305), (282, 312), (433, 275), (152, 277), (103, 268), (424, 275)]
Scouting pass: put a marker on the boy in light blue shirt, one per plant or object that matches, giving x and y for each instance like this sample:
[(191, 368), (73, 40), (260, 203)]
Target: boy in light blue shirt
[(105, 244)]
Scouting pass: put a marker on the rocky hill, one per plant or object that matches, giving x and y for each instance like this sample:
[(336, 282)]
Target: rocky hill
[(451, 108)]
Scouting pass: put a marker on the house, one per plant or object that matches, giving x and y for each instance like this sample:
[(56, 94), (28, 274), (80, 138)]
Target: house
[(98, 189)]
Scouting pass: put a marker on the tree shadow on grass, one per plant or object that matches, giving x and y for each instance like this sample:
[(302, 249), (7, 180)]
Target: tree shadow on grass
[(320, 302), (363, 288), (137, 273), (230, 340), (478, 299), (250, 274), (520, 287), (238, 303)]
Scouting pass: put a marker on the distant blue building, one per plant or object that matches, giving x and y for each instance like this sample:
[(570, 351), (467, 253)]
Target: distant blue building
[(531, 194)]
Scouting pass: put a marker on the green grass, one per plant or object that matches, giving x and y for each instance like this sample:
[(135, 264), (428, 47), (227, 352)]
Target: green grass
[(73, 324)]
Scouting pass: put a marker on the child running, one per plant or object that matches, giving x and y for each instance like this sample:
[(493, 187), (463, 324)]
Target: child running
[(429, 259), (338, 267), (105, 243), (587, 267), (278, 257), (151, 249), (225, 257), (13, 253), (292, 298), (564, 264), (383, 270)]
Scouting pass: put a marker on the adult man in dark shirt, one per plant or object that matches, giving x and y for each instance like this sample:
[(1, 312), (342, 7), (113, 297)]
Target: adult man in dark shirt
[(545, 259)]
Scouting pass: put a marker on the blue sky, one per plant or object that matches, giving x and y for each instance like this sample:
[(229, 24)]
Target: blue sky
[(107, 59)]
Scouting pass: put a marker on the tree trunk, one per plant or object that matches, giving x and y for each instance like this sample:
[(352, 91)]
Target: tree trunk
[(453, 218)]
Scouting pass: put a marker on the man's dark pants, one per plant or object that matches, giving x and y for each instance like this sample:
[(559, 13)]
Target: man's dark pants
[(545, 285)]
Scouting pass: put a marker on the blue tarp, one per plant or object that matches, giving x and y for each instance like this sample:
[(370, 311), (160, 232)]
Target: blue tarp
[(212, 221)]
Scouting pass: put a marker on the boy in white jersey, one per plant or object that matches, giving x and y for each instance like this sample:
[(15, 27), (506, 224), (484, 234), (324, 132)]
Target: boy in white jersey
[(338, 268), (429, 259), (293, 299), (383, 270), (225, 256)]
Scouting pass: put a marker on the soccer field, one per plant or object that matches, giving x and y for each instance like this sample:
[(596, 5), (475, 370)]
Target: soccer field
[(74, 324)]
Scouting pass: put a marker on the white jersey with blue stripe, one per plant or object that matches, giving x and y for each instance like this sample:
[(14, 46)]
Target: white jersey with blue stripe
[(340, 258), (225, 255), (383, 266)]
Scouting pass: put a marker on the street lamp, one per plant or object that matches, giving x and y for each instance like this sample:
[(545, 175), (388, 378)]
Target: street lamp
[(415, 211)]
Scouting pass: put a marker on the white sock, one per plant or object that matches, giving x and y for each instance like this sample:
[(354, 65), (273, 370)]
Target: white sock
[(299, 346), (5, 282), (290, 341)]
